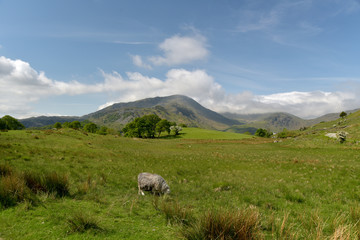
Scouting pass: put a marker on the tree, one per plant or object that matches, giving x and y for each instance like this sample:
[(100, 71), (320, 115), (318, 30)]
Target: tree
[(162, 126), (12, 123), (90, 127), (150, 124), (262, 133), (57, 125), (2, 125), (75, 125), (145, 126), (343, 114), (176, 129)]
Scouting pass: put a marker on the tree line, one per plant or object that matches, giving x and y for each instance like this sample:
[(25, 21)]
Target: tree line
[(150, 126), (86, 126)]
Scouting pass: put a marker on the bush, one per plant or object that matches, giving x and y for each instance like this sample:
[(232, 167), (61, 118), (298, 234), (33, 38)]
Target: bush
[(263, 133), (57, 125), (225, 225)]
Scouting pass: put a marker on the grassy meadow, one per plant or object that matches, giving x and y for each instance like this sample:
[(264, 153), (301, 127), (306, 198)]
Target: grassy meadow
[(295, 189)]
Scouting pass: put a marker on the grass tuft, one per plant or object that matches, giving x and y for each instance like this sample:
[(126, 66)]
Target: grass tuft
[(81, 222), (241, 224), (5, 170), (13, 190), (56, 183), (177, 214)]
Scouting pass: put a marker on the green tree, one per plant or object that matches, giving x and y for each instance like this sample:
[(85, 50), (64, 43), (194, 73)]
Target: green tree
[(75, 125), (57, 125), (262, 133), (162, 126), (91, 127), (66, 125), (2, 125), (343, 114), (150, 125), (142, 127), (12, 123)]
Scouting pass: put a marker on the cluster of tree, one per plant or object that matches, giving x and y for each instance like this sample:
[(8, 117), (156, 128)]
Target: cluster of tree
[(86, 126), (150, 126), (9, 123)]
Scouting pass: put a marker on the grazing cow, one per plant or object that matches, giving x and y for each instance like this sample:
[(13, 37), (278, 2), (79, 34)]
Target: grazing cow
[(153, 183)]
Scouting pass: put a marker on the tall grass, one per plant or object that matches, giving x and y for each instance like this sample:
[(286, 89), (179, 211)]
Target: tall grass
[(18, 187), (81, 222), (13, 190), (174, 212), (223, 225)]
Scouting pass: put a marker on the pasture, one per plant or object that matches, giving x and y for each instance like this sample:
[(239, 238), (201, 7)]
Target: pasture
[(297, 190)]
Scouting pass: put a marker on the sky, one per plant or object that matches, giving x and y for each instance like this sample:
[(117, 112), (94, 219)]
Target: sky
[(66, 57)]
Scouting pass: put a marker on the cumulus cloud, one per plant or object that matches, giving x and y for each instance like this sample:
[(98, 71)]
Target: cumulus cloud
[(177, 50), (22, 85), (181, 50)]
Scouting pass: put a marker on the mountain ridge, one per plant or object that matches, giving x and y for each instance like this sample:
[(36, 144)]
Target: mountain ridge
[(183, 109)]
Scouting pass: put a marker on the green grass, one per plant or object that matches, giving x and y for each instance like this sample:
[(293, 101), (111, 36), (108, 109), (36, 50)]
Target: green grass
[(306, 188)]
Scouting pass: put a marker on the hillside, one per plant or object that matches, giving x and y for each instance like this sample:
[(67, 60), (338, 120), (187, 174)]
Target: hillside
[(350, 124), (276, 122)]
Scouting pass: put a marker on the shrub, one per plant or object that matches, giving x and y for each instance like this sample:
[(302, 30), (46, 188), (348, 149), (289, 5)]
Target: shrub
[(57, 125), (263, 133), (225, 225), (81, 222)]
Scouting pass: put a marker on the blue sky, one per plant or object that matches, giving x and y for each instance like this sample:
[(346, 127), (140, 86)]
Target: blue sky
[(65, 57)]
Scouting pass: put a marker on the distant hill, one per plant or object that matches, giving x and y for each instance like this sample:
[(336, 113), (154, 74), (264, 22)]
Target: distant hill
[(176, 108), (45, 120), (276, 121)]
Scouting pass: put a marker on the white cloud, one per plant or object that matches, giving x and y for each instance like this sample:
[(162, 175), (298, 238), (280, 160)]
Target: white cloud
[(181, 50), (137, 60), (177, 50), (21, 85)]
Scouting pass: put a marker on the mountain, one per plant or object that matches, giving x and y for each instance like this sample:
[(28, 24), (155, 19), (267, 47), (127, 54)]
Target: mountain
[(176, 108), (47, 120)]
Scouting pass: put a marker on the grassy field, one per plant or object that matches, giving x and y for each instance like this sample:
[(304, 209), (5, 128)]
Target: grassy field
[(296, 189)]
